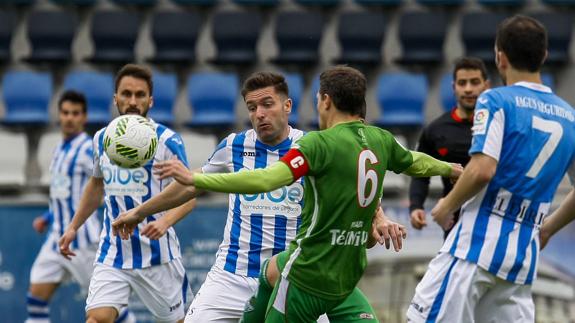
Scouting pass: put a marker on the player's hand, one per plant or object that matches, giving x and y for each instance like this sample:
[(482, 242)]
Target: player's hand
[(65, 241), (544, 236), (125, 224), (387, 232), (456, 171), (442, 215), (155, 229), (417, 219), (176, 169), (40, 224)]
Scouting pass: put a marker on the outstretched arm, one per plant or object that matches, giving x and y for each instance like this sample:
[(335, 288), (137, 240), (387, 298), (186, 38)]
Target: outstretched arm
[(558, 219), (425, 166)]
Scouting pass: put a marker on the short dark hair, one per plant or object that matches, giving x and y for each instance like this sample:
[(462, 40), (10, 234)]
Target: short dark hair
[(524, 41), (135, 71), (346, 87), (470, 63), (74, 97), (260, 80)]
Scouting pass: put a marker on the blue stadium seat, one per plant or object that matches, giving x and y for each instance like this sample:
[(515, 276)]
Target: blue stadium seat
[(200, 3), (295, 85), (143, 3), (441, 3), (401, 98), (26, 98), (8, 21), (212, 97), (559, 30), (360, 35), (236, 45), (478, 31), (98, 87), (165, 93), (51, 33), (379, 3), (114, 34), (501, 3), (262, 3), (74, 3), (422, 35), (298, 34), (446, 93), (174, 34)]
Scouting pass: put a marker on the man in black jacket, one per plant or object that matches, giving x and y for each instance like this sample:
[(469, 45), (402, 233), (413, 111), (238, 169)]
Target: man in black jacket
[(448, 137)]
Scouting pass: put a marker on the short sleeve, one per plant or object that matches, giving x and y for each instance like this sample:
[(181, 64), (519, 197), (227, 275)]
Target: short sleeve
[(219, 160), (97, 151), (86, 158), (176, 147), (399, 157), (488, 125), (314, 151)]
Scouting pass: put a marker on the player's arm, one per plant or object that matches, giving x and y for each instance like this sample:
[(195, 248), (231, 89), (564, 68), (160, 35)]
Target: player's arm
[(156, 229), (477, 174), (419, 187), (385, 231), (424, 165), (90, 201), (558, 219)]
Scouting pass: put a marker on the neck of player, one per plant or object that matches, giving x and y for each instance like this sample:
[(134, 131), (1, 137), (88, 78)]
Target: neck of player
[(513, 76), (338, 117)]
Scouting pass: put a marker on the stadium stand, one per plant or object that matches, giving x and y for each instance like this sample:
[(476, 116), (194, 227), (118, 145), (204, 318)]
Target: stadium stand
[(212, 97), (236, 45), (174, 35), (165, 92), (401, 98), (114, 35), (560, 29), (50, 33), (478, 34), (422, 35), (12, 165), (8, 21), (46, 148), (360, 35), (97, 87), (24, 107), (295, 86), (298, 34)]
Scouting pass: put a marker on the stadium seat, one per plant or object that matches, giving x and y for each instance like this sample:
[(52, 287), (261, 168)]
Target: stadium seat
[(322, 3), (8, 21), (26, 98), (501, 3), (441, 3), (262, 3), (143, 3), (114, 34), (98, 87), (360, 35), (165, 93), (174, 34), (379, 3), (547, 79), (202, 3), (401, 97), (314, 123), (48, 143), (559, 30), (422, 35), (298, 34), (16, 2), (295, 85), (212, 97), (75, 3), (446, 93), (478, 34), (560, 3), (13, 165), (51, 34), (236, 45)]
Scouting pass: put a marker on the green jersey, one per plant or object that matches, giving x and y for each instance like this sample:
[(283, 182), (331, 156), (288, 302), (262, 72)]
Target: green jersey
[(343, 187)]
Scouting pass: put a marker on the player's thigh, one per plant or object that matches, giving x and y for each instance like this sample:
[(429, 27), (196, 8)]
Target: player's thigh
[(109, 288), (355, 308), (506, 302), (81, 266), (222, 297), (161, 289), (452, 281), (48, 267), (291, 304)]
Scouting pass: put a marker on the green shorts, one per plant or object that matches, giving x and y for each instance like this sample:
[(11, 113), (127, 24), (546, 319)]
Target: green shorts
[(288, 303)]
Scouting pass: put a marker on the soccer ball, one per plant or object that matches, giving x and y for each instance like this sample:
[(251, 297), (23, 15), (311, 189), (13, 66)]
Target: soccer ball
[(130, 141)]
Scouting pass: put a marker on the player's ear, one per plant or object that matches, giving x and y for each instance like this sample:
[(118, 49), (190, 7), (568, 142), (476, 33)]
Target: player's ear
[(288, 105), (151, 102), (115, 100), (327, 101)]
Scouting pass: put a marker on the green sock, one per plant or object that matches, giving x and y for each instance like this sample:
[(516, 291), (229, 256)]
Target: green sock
[(256, 306)]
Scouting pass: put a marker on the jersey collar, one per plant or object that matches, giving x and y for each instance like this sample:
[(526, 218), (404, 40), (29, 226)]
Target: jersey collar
[(534, 86), (457, 118)]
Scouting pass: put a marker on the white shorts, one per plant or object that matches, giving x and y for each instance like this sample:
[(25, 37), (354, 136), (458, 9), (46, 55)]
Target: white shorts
[(455, 290), (161, 289), (51, 267), (221, 297)]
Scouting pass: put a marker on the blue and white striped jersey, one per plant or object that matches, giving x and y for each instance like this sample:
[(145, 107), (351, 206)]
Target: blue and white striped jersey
[(531, 133), (258, 225), (128, 188), (70, 169)]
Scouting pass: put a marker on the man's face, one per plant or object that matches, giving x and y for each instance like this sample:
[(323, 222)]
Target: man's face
[(133, 96), (468, 84), (268, 114), (72, 118)]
